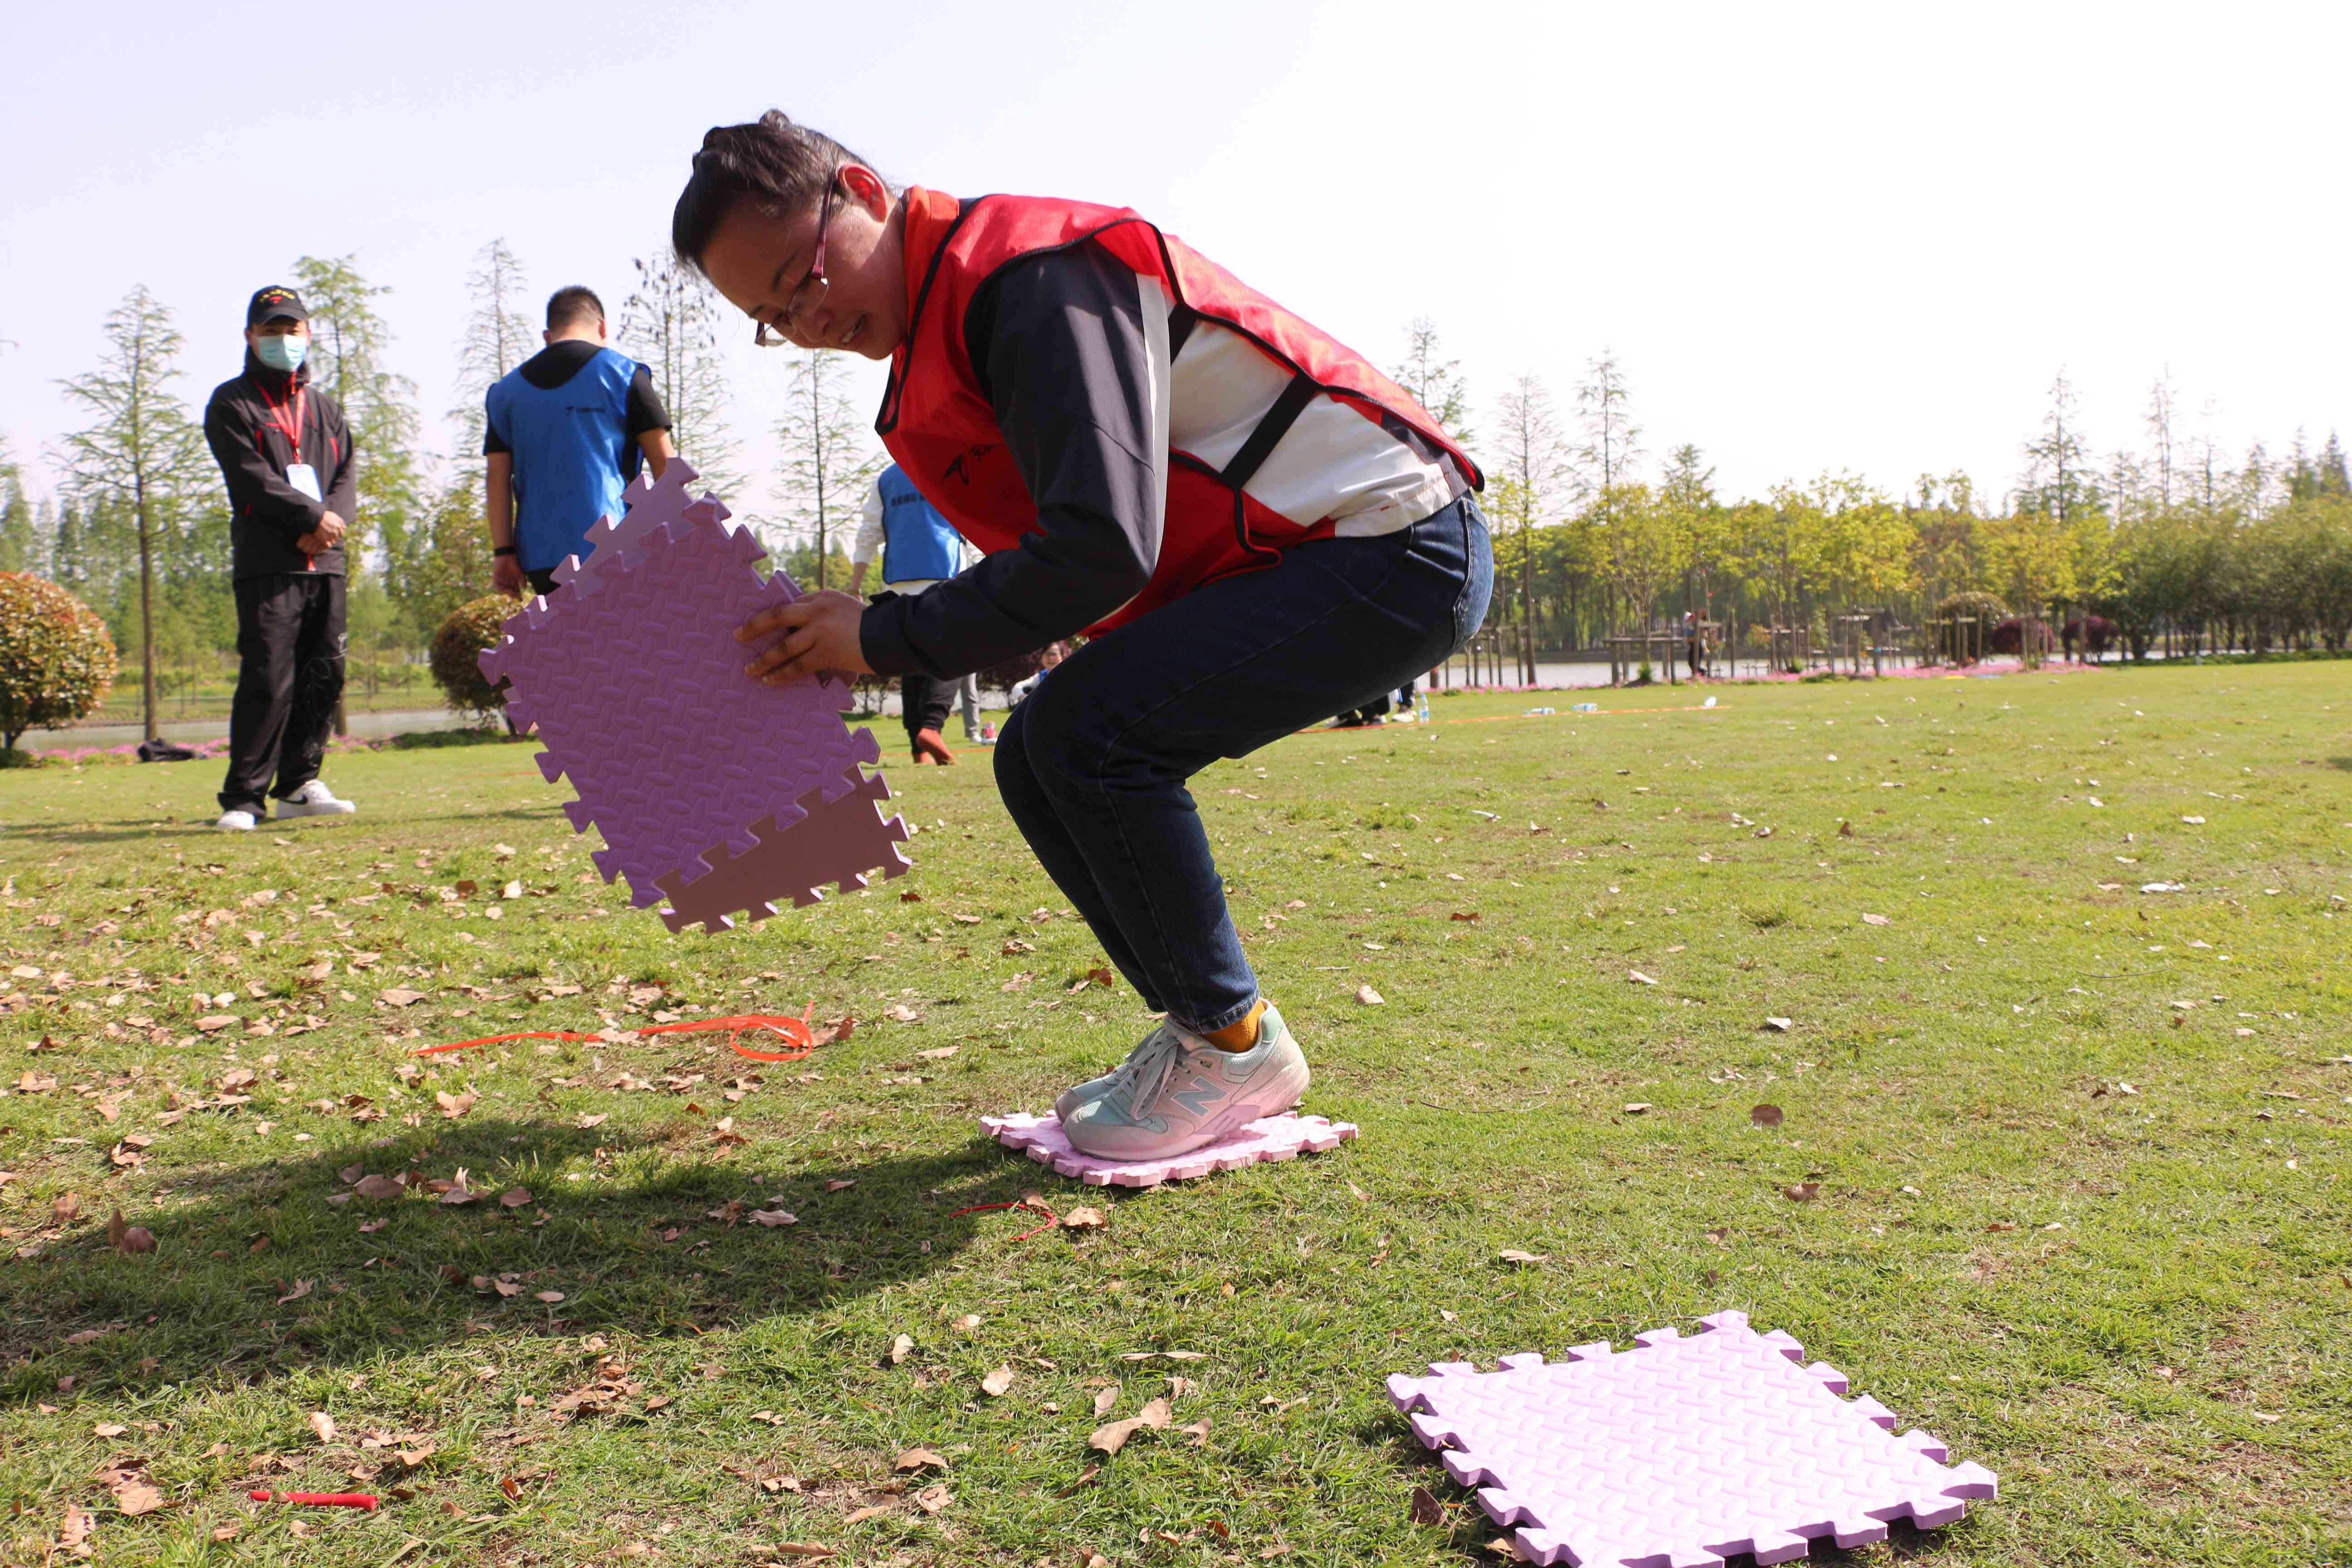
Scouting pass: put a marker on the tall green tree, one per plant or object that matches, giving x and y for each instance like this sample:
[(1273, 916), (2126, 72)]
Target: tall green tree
[(1605, 409), (670, 324), (349, 340), (143, 450), (826, 463), (20, 534), (1528, 482), (1434, 381), (2061, 475), (498, 337)]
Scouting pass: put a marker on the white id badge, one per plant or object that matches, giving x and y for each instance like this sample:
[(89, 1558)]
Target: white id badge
[(305, 478)]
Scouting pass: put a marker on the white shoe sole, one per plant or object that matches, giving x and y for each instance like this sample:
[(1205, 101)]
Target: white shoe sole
[(290, 808)]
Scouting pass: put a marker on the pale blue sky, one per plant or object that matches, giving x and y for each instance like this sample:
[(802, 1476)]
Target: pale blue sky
[(1817, 236)]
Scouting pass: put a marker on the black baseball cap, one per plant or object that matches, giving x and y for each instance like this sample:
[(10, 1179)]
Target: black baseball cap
[(274, 303)]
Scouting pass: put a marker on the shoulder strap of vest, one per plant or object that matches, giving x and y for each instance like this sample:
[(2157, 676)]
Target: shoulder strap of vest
[(1292, 402)]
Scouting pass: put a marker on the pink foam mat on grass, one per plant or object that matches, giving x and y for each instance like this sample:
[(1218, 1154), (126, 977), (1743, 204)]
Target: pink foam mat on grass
[(1682, 1452), (1283, 1137)]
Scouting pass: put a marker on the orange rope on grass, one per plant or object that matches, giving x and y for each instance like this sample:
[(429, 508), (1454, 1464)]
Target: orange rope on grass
[(794, 1030)]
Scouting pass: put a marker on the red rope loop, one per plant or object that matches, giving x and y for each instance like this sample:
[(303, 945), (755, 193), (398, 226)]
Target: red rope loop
[(1036, 1206)]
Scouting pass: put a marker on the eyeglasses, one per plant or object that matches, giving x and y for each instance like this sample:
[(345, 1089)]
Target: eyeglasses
[(809, 293)]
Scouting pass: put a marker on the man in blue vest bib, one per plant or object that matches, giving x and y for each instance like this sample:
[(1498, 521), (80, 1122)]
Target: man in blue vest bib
[(918, 548), (564, 432)]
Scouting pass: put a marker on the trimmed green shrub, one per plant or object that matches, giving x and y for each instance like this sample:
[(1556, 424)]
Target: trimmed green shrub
[(57, 657), (472, 627)]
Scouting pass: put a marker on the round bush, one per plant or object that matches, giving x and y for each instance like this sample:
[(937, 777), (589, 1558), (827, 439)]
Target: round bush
[(472, 627), (57, 657), (1961, 644)]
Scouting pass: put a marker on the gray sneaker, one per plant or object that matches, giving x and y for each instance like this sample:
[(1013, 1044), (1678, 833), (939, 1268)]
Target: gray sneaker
[(1179, 1092), (1094, 1089)]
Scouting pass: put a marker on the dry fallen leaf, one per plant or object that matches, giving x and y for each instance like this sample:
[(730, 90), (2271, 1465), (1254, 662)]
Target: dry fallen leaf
[(1513, 1255), (129, 1237), (453, 1105), (550, 1296), (514, 1197), (997, 1382), (1084, 1219), (860, 1515), (1198, 1431), (1876, 921), (378, 1186), (108, 1429), (901, 1347), (1426, 1508), (842, 1184), (1637, 1108), (67, 1209), (594, 1118), (1781, 1025), (1107, 1400), (323, 1424), (1765, 1115), (1801, 1192), (1638, 978), (915, 1459), (134, 1496), (774, 1216), (1369, 997), (968, 1322), (932, 1499), (302, 1288)]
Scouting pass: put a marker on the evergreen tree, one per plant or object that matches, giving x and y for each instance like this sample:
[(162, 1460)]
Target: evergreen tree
[(347, 344), (1435, 381), (498, 337), (1533, 458), (826, 465), (143, 452), (670, 324), (20, 536), (1611, 439)]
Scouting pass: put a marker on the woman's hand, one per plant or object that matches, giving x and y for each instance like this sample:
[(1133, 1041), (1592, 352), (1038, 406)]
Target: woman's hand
[(820, 634)]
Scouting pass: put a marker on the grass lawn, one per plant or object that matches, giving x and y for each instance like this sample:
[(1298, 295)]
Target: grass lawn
[(2075, 1153)]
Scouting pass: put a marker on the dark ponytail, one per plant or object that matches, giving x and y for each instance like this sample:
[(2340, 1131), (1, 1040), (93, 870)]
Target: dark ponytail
[(780, 167)]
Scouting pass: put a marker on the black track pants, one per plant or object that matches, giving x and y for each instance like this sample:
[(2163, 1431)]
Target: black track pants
[(290, 638)]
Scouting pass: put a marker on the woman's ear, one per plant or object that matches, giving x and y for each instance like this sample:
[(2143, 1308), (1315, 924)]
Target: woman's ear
[(867, 189)]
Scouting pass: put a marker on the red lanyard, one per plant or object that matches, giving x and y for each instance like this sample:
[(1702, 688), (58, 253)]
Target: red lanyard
[(292, 428)]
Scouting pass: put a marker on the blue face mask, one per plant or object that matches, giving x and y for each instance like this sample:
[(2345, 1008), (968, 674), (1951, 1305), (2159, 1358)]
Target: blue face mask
[(282, 351)]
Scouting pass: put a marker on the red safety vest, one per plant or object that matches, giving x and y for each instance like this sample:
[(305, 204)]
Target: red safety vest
[(937, 424)]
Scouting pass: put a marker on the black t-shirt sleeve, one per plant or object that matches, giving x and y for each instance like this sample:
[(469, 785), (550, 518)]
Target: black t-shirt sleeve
[(1059, 344), (645, 410)]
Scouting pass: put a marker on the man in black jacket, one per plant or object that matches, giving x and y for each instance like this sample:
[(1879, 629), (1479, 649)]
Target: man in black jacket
[(286, 453)]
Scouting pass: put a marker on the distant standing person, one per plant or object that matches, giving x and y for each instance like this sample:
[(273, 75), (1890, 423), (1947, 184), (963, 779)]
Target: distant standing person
[(286, 454), (919, 547), (565, 432)]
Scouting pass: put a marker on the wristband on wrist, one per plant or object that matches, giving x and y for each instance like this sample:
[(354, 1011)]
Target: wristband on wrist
[(503, 550)]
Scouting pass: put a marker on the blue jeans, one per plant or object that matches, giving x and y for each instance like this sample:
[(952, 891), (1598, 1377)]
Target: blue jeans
[(1093, 765)]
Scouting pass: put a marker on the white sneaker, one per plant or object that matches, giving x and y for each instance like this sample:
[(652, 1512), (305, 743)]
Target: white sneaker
[(314, 799), (235, 821), (1179, 1092)]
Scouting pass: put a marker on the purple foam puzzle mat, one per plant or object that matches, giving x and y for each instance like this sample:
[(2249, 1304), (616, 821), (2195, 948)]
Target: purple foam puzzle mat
[(1283, 1137), (689, 768), (837, 841), (1682, 1452)]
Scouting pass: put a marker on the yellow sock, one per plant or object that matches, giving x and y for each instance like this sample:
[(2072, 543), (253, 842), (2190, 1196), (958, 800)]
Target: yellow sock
[(1241, 1033)]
